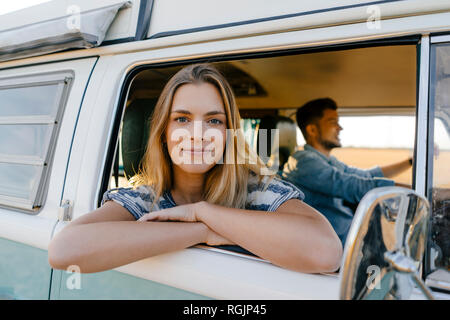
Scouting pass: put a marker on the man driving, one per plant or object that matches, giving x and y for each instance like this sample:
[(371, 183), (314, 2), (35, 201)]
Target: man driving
[(329, 185)]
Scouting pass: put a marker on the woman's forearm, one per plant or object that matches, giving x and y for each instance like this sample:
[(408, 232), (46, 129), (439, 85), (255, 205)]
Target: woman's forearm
[(96, 247), (305, 243)]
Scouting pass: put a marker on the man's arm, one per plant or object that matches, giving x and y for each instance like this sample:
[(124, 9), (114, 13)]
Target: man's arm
[(319, 176), (399, 184), (364, 173), (396, 168)]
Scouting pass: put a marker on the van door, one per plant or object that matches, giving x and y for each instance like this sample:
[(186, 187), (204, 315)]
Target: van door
[(438, 165), (39, 107), (87, 157)]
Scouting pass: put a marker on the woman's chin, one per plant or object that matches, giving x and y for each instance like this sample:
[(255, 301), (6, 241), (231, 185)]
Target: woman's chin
[(196, 168)]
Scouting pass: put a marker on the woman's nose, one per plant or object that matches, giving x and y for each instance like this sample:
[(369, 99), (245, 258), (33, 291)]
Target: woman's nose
[(197, 131)]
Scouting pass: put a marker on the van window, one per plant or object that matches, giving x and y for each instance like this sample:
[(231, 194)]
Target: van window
[(366, 140), (377, 140), (439, 160), (30, 114), (249, 126), (373, 82)]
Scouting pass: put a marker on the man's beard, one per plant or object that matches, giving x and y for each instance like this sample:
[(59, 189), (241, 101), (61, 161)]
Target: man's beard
[(327, 144)]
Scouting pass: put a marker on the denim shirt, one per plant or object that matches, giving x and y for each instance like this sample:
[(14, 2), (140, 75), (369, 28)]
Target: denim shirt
[(327, 183)]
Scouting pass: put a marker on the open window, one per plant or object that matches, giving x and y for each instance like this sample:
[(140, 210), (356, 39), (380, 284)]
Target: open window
[(369, 140), (374, 87)]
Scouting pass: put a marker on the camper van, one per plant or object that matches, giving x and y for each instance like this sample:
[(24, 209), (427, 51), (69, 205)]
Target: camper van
[(79, 81)]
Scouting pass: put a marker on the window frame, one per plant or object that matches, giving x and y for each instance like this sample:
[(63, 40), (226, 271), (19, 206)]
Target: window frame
[(136, 67), (64, 80), (434, 43)]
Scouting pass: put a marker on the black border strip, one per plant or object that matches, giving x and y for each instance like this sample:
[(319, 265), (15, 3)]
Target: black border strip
[(279, 17), (145, 13), (416, 125), (142, 25), (412, 40)]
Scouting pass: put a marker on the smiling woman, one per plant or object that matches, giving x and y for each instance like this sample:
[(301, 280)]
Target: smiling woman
[(183, 197), (189, 136)]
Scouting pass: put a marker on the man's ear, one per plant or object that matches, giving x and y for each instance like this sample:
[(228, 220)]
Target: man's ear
[(311, 130)]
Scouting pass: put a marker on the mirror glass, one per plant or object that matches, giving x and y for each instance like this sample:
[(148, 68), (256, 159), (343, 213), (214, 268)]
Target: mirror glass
[(385, 245)]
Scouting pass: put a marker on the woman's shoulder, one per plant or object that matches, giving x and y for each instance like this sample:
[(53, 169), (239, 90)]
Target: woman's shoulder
[(269, 192), (142, 192), (137, 200)]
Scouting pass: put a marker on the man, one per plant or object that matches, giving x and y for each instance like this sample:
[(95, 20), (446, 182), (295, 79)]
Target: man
[(331, 186)]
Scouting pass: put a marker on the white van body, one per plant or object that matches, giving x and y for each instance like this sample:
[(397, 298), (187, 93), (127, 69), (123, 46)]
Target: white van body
[(180, 31)]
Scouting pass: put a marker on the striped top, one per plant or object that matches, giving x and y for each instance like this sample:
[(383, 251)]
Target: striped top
[(267, 195)]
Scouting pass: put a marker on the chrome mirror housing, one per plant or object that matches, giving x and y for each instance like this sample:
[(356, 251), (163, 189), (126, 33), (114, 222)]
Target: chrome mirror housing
[(385, 246)]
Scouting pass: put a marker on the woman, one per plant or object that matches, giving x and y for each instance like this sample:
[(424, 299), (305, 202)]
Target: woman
[(199, 183)]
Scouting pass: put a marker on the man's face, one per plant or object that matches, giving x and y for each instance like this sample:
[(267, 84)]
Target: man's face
[(329, 129)]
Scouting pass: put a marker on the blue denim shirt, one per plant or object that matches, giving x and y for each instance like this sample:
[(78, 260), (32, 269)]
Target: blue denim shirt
[(327, 182)]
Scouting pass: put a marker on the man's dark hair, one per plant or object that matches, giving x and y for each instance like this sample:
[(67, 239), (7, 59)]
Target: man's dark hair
[(312, 111)]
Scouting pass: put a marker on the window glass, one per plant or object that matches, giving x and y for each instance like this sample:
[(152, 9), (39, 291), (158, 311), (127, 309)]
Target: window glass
[(369, 141), (29, 140), (18, 180), (358, 132), (440, 192), (390, 132), (29, 117), (249, 126), (29, 101), (118, 178)]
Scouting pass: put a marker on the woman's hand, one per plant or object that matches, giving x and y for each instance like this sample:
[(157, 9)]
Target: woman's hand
[(183, 213), (186, 213)]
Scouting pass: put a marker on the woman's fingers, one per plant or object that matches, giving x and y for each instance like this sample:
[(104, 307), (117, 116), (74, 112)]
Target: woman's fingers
[(152, 216), (164, 215), (179, 213)]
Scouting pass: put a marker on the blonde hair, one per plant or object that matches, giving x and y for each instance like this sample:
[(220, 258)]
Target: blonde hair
[(226, 183)]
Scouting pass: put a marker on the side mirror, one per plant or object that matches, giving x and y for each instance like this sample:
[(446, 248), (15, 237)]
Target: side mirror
[(385, 246)]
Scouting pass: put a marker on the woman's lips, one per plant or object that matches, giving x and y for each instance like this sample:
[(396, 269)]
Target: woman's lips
[(197, 151)]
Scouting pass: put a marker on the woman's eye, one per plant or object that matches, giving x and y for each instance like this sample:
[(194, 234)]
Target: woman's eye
[(215, 121), (181, 119)]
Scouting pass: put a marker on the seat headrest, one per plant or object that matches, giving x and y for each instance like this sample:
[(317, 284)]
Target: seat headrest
[(135, 133), (286, 135)]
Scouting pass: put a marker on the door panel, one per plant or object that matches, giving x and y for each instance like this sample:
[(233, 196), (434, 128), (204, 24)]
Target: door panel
[(24, 271), (112, 285), (25, 233)]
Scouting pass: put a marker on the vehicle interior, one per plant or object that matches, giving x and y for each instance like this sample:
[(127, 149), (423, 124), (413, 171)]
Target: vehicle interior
[(372, 86), (365, 82)]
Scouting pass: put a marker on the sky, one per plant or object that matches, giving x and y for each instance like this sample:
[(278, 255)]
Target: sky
[(7, 6)]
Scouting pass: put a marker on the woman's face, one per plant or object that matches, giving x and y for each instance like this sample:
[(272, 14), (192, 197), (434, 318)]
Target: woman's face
[(196, 130)]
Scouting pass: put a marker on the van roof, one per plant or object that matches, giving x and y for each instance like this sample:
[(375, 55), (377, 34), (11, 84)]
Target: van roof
[(149, 19), (58, 25)]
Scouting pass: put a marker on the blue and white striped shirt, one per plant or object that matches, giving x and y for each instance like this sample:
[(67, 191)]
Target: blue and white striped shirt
[(263, 196)]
